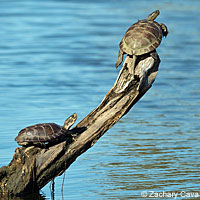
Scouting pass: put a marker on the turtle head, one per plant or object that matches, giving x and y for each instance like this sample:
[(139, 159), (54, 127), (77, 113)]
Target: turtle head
[(164, 30), (153, 15), (70, 121)]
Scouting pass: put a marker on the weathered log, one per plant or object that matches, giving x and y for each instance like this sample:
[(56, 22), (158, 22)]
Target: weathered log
[(33, 167)]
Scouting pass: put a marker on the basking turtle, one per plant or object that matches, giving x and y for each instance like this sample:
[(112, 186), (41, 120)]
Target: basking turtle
[(41, 134), (142, 37)]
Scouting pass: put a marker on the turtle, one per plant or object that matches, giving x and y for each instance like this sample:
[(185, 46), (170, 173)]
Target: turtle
[(45, 133), (141, 38)]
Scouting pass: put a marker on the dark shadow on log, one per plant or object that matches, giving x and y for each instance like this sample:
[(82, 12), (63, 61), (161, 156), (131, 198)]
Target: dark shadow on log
[(33, 167)]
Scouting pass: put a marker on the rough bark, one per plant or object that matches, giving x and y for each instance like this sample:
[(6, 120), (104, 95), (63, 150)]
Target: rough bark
[(33, 167)]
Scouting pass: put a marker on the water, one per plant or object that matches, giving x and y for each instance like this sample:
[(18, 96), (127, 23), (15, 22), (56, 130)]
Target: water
[(57, 57)]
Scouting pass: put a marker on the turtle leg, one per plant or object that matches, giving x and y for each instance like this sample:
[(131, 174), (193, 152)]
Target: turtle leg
[(154, 55), (164, 30), (119, 58)]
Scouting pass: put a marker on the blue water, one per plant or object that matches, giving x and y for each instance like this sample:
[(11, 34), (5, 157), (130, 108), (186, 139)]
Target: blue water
[(57, 58)]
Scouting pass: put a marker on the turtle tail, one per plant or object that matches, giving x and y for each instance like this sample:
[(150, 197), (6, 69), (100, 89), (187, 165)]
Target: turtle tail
[(119, 58)]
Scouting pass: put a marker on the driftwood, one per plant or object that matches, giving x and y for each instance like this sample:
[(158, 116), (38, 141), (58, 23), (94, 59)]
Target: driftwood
[(33, 167)]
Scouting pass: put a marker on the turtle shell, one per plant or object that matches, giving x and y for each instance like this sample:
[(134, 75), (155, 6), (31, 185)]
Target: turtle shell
[(142, 37), (41, 133)]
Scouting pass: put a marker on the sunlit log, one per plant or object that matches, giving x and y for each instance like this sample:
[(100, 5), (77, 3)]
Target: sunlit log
[(33, 167)]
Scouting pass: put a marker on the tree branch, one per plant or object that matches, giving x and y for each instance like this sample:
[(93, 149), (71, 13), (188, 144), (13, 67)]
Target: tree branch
[(32, 168)]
